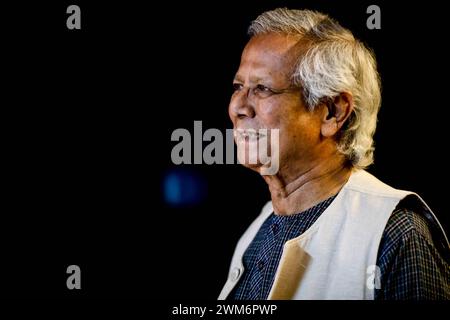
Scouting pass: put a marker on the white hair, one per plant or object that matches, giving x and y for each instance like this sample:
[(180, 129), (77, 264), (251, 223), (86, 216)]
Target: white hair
[(334, 62)]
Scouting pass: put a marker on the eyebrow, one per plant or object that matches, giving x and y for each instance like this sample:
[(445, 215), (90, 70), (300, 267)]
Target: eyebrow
[(237, 78), (254, 79)]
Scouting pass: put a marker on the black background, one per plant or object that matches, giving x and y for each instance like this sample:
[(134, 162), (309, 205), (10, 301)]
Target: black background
[(88, 114)]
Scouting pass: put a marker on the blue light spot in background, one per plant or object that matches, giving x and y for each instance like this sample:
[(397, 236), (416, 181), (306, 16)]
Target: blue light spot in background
[(172, 188), (182, 187)]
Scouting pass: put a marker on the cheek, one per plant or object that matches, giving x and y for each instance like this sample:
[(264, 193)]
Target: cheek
[(279, 112), (304, 134), (270, 115), (298, 130)]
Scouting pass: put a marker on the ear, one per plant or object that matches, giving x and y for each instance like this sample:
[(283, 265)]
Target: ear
[(335, 112)]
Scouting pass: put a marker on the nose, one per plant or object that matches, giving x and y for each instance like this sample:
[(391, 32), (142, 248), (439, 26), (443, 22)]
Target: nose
[(241, 106)]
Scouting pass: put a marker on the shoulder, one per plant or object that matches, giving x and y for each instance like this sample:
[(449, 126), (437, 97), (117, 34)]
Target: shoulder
[(404, 231), (407, 228), (411, 266), (404, 223)]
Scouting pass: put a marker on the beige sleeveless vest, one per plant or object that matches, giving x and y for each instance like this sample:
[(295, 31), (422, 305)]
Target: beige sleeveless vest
[(335, 258)]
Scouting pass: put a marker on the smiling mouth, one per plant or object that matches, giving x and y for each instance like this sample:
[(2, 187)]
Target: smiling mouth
[(250, 134)]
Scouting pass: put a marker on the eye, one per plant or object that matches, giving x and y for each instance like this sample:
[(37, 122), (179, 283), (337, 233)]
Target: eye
[(237, 86), (263, 89)]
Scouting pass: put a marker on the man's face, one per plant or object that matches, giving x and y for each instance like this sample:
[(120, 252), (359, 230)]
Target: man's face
[(264, 98)]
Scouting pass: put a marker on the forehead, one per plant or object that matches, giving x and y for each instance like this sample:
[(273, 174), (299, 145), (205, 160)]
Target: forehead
[(270, 55)]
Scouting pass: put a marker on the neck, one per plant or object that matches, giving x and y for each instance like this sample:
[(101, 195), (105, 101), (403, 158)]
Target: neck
[(294, 193)]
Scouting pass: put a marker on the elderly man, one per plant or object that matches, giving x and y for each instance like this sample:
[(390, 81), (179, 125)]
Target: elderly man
[(332, 230)]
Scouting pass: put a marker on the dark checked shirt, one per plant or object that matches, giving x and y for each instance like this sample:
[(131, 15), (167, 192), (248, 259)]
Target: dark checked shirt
[(410, 265)]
